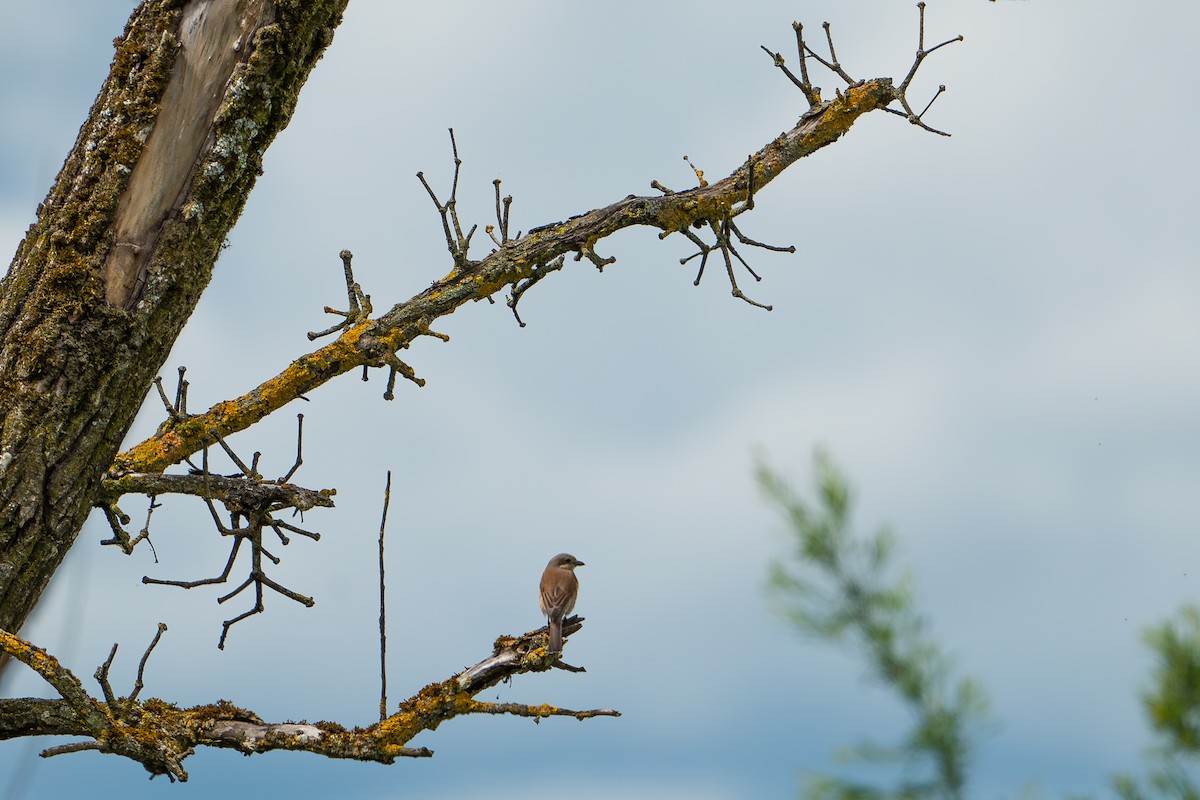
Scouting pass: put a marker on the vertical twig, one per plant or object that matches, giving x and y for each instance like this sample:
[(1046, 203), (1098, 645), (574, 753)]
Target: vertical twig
[(138, 684), (387, 498)]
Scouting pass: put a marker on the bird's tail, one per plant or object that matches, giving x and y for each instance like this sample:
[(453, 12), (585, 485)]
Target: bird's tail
[(556, 640)]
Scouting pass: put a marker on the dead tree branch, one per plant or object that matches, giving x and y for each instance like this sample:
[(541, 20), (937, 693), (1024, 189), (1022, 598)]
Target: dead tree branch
[(813, 93), (247, 522), (358, 304), (234, 491), (524, 261), (252, 504), (387, 499), (372, 341), (160, 736)]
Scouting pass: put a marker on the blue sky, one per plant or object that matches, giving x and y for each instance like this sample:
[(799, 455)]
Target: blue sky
[(995, 335)]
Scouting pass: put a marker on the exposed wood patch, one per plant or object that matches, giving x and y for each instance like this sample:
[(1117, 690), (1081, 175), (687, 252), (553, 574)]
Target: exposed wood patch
[(215, 37)]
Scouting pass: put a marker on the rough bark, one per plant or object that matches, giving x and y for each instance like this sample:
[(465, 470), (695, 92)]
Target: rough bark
[(124, 245)]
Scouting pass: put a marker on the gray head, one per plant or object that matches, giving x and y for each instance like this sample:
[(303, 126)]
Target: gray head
[(565, 561)]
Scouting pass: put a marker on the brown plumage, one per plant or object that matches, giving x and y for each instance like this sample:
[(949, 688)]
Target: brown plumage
[(557, 594)]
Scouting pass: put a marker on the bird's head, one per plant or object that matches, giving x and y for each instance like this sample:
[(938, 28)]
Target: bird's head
[(565, 561)]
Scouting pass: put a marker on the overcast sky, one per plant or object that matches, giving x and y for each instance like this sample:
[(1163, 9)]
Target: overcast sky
[(995, 335)]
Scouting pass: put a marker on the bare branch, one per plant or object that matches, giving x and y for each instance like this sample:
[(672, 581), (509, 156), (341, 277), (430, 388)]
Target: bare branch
[(299, 451), (181, 393), (224, 576), (171, 412), (387, 499), (539, 712), (101, 676), (247, 498), (138, 684), (88, 713), (520, 287), (726, 247), (832, 64), (902, 89), (116, 520), (279, 524), (588, 252), (513, 264), (77, 747), (501, 216), (724, 244), (813, 95), (160, 736), (358, 304), (456, 243), (235, 491)]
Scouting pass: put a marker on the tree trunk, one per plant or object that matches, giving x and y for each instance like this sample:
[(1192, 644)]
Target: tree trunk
[(124, 245)]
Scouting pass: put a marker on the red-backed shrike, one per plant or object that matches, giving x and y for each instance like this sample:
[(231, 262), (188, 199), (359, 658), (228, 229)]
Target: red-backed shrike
[(557, 595)]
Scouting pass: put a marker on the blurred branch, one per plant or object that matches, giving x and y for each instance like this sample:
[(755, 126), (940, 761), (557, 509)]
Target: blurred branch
[(835, 585), (1172, 706), (160, 735)]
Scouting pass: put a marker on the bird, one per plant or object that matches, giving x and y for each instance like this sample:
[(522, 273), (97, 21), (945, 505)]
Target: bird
[(557, 594)]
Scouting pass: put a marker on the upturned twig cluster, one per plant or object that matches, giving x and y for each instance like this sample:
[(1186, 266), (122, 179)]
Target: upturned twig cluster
[(247, 522), (724, 230), (459, 245), (813, 93), (359, 312), (251, 503)]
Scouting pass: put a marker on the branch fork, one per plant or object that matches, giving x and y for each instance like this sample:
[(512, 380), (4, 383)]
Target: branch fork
[(252, 505), (813, 93)]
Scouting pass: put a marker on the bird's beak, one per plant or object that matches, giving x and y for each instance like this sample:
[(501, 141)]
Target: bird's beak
[(579, 563)]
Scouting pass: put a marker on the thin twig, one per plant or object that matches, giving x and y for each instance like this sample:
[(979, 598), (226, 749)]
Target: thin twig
[(902, 89), (299, 450), (722, 234), (181, 388), (138, 684), (832, 65), (256, 509), (456, 242), (358, 303), (590, 253), (73, 747), (540, 712), (102, 677), (521, 287), (502, 210), (387, 498), (162, 394)]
